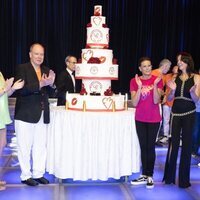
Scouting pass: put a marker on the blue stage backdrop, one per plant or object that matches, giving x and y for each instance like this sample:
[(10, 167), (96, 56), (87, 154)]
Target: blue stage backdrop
[(155, 28)]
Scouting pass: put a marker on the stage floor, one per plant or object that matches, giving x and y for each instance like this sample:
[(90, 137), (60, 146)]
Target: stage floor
[(95, 190), (91, 190)]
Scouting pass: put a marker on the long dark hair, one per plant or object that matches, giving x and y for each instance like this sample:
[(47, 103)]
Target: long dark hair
[(186, 58)]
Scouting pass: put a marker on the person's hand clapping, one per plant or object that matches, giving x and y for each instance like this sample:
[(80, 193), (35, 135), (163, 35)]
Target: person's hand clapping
[(8, 84), (172, 85), (52, 76), (18, 84), (47, 80), (138, 81)]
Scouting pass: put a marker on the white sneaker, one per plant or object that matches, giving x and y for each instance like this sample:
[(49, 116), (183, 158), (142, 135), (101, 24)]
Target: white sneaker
[(198, 164), (14, 139), (150, 183), (141, 180), (14, 153), (12, 145), (164, 140)]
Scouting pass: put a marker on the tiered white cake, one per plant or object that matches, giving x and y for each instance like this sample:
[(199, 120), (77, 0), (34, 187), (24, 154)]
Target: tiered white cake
[(96, 69)]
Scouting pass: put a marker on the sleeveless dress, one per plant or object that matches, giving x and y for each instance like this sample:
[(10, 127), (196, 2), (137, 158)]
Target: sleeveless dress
[(183, 103), (4, 111), (182, 120)]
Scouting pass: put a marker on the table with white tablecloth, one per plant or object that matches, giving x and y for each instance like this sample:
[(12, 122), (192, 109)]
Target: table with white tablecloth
[(92, 145)]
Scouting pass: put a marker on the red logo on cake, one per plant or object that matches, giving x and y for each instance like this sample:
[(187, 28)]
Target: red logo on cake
[(74, 101), (95, 86), (96, 35)]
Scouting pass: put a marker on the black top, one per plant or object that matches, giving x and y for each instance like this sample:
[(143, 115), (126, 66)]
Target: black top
[(31, 100), (64, 84), (183, 102)]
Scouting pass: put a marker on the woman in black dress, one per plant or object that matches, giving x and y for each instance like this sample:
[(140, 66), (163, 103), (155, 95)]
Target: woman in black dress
[(185, 91)]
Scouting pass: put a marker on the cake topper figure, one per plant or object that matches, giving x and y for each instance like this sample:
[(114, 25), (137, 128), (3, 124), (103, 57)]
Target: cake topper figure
[(98, 10)]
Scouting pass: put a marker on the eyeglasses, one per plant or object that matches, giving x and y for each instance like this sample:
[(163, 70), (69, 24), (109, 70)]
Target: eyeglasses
[(72, 62)]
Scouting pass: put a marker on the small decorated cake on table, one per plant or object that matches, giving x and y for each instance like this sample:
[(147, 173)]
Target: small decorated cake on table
[(96, 68)]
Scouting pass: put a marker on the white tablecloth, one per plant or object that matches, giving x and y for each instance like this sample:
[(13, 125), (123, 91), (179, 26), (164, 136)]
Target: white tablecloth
[(92, 145)]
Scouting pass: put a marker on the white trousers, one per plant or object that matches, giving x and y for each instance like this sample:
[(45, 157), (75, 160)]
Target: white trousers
[(31, 142), (166, 119)]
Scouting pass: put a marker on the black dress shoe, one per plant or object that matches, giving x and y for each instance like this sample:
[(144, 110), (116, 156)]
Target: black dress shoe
[(30, 182), (185, 185), (42, 180)]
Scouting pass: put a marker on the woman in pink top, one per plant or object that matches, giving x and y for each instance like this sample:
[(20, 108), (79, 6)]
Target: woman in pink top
[(145, 93)]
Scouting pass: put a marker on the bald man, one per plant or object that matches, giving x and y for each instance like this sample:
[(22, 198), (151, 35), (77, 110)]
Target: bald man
[(32, 116)]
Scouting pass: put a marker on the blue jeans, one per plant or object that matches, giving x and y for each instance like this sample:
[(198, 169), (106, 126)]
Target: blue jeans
[(196, 134)]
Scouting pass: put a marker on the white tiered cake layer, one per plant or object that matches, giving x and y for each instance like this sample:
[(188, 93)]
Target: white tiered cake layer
[(97, 71), (97, 37), (103, 70), (95, 103), (96, 86), (97, 21), (105, 56)]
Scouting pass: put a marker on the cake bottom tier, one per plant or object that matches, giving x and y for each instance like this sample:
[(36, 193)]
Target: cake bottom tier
[(95, 103)]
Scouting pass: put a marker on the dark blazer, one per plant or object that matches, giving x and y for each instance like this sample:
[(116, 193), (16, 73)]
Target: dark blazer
[(64, 83), (30, 100)]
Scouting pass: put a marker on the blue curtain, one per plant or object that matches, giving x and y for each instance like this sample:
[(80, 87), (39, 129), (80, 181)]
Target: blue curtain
[(154, 28)]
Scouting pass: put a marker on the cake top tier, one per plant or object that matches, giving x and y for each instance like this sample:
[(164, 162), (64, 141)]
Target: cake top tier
[(98, 10), (97, 30)]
